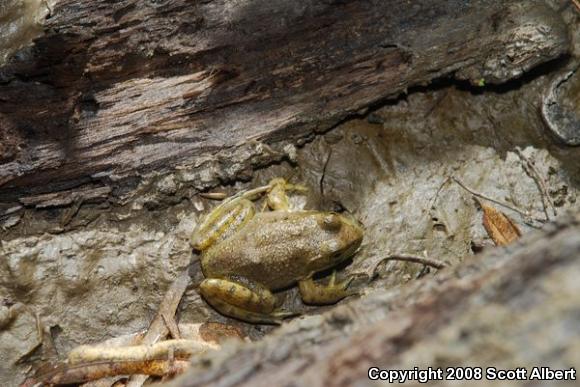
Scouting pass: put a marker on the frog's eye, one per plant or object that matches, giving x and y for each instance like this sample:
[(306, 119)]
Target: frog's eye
[(331, 222)]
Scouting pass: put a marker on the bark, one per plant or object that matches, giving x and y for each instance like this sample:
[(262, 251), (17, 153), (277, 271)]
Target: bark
[(113, 91), (514, 307)]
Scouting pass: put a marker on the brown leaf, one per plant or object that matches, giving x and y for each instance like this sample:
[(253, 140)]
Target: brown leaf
[(499, 226)]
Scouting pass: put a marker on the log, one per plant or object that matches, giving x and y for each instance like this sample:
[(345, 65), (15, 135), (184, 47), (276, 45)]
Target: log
[(508, 308), (113, 92)]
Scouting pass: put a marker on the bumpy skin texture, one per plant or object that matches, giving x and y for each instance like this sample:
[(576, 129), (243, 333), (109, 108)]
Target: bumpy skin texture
[(245, 255), (278, 248)]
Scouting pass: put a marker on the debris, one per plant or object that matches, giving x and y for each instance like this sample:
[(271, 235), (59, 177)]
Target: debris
[(410, 258), (101, 365), (523, 213), (500, 228), (86, 372), (532, 171), (158, 329), (180, 349)]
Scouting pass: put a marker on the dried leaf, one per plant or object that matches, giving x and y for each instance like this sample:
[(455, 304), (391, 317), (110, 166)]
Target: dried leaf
[(500, 228)]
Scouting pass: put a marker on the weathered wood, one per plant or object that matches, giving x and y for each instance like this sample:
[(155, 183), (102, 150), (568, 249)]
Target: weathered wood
[(115, 90), (510, 307)]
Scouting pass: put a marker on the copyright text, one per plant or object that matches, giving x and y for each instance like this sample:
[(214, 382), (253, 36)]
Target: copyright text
[(469, 373)]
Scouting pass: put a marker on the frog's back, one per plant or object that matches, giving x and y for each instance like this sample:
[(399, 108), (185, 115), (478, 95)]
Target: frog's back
[(274, 249)]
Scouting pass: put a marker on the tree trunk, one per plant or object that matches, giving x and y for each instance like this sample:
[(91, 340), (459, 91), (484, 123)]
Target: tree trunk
[(115, 90)]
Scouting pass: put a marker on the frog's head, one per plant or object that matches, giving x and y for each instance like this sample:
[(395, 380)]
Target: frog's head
[(342, 237)]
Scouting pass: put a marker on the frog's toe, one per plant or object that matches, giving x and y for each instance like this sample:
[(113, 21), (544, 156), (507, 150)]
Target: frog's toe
[(341, 285), (313, 293), (246, 315), (283, 314)]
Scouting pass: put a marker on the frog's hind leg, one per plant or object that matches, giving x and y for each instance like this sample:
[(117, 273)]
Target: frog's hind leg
[(222, 222), (242, 299), (313, 293)]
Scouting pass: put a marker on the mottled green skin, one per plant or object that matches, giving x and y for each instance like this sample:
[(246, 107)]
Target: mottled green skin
[(278, 248)]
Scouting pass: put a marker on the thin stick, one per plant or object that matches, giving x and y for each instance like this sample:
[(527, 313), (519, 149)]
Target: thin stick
[(171, 325), (532, 172), (180, 349), (416, 259), (321, 183), (158, 329), (525, 214), (86, 372), (410, 258), (434, 200), (577, 4)]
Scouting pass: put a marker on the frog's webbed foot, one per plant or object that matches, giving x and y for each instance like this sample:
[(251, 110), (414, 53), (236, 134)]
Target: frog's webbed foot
[(243, 300), (246, 315), (313, 293)]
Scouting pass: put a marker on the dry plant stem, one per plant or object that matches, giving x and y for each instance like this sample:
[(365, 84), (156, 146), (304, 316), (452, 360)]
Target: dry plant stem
[(158, 329), (411, 258), (532, 171), (176, 349), (577, 4), (86, 372), (171, 325), (323, 175), (168, 307), (434, 200), (416, 259), (524, 214), (103, 382)]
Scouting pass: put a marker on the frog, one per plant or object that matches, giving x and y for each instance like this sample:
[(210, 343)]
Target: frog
[(247, 255)]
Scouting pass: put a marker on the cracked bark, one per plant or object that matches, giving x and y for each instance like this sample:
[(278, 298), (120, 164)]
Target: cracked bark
[(509, 307), (114, 91)]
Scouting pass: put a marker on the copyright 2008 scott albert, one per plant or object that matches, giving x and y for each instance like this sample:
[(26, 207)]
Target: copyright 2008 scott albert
[(424, 375)]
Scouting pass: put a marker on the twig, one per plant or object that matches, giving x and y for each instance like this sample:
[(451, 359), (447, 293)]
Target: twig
[(324, 172), (577, 4), (172, 326), (158, 329), (107, 381), (532, 172), (434, 200), (85, 372), (416, 259), (180, 349), (525, 214), (410, 258)]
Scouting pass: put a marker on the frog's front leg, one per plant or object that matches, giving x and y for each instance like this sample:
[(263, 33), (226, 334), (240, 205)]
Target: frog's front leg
[(313, 293), (242, 299), (277, 198)]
